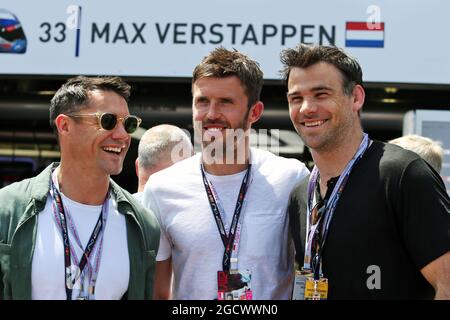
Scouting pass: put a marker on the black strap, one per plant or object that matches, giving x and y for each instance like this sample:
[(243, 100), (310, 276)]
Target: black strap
[(227, 240), (66, 242)]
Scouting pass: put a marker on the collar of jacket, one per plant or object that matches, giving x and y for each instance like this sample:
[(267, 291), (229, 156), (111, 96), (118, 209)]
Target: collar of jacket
[(25, 233), (41, 187)]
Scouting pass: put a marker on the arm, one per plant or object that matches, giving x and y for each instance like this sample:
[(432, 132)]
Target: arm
[(426, 221), (163, 280), (297, 218), (437, 274), (163, 270)]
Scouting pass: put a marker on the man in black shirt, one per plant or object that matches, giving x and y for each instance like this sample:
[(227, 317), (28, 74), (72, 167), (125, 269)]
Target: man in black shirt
[(373, 219)]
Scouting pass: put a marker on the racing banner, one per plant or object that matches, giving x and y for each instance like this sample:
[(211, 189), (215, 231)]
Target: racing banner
[(402, 41)]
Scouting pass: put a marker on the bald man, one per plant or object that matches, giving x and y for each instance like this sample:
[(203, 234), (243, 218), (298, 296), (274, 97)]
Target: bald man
[(160, 147)]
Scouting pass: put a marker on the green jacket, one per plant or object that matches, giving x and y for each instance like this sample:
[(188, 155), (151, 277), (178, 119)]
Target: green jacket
[(21, 202)]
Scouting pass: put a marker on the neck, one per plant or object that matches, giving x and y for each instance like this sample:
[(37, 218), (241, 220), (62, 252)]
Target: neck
[(141, 187), (332, 162), (80, 187), (145, 173), (224, 169), (142, 180)]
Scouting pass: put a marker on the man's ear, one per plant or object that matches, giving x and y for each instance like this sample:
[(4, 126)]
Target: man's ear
[(256, 112), (62, 124), (358, 96), (136, 164)]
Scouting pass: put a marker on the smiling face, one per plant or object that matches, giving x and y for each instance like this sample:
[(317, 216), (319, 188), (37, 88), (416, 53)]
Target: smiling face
[(220, 108), (92, 149), (321, 113)]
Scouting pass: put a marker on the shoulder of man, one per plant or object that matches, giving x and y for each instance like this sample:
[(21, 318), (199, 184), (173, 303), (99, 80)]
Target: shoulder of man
[(177, 173), (300, 190), (274, 163), (146, 219), (396, 163), (396, 156), (16, 197)]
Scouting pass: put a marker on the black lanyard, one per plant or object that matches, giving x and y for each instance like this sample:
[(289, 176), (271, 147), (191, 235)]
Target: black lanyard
[(227, 240), (67, 249)]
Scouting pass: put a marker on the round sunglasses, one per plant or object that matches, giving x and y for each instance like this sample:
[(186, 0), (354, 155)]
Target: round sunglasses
[(108, 121)]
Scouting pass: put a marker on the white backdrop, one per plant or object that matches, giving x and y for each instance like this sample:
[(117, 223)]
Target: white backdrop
[(168, 38)]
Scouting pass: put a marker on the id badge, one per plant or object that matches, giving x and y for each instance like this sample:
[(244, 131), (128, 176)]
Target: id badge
[(316, 289), (234, 285), (300, 283)]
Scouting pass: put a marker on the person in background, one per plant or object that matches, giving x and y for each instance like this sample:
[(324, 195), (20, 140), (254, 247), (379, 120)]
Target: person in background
[(431, 151), (71, 232), (374, 218), (159, 148)]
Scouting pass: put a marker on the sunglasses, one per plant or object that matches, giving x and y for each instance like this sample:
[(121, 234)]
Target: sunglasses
[(108, 121)]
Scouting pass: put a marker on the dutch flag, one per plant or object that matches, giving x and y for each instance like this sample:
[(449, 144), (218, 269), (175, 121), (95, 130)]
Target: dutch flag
[(364, 34)]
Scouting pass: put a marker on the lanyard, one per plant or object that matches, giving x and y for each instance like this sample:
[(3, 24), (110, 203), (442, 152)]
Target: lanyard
[(63, 219), (230, 241), (313, 231)]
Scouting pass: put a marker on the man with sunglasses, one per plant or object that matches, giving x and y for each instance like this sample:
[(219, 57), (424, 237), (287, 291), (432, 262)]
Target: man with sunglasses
[(373, 220), (223, 211), (71, 232)]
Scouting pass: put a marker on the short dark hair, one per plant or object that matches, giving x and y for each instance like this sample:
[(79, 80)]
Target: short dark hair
[(74, 94), (221, 63), (304, 56)]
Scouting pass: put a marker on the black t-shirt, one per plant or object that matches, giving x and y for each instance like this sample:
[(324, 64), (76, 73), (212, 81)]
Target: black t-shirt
[(392, 219)]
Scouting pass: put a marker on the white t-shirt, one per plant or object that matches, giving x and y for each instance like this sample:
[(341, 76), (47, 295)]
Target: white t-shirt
[(189, 232), (47, 271)]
